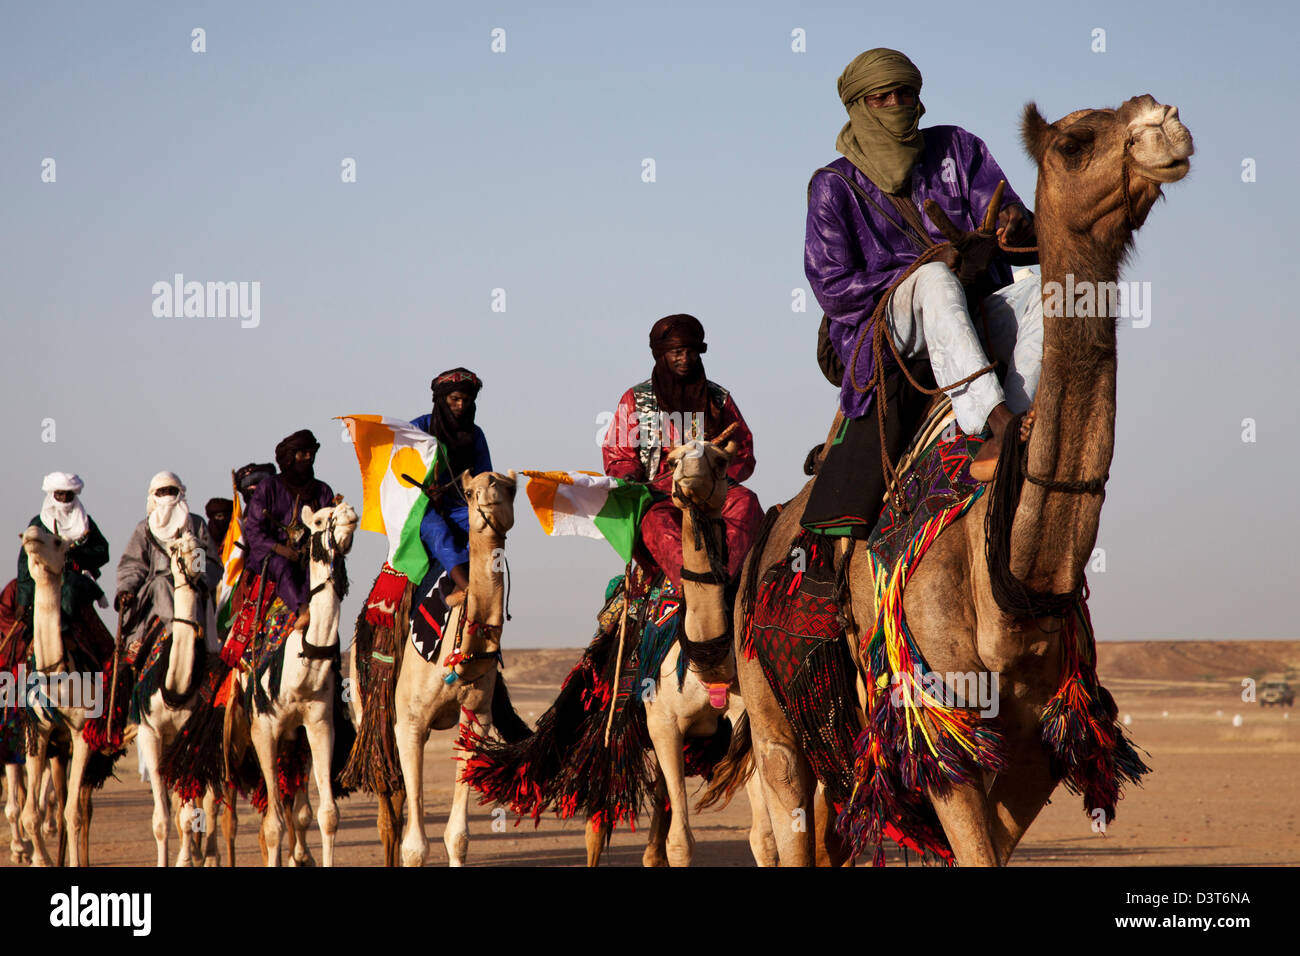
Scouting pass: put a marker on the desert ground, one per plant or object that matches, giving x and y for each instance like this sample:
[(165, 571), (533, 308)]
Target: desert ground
[(1220, 794)]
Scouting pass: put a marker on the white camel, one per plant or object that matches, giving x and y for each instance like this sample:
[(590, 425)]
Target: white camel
[(54, 711), (174, 701), (424, 700), (307, 690)]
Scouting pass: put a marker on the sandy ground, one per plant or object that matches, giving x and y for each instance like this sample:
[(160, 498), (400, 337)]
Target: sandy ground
[(1219, 794)]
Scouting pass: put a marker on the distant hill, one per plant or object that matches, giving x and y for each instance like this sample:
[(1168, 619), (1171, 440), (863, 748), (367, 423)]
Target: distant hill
[(1134, 660)]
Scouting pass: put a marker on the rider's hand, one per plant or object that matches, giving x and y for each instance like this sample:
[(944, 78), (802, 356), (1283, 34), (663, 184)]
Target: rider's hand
[(285, 551), (123, 601), (1015, 227)]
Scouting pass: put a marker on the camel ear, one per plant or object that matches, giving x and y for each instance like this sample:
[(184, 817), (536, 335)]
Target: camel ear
[(1035, 132), (465, 477), (306, 516), (730, 449)]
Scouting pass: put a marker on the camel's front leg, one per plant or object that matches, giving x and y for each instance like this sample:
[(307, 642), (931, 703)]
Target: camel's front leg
[(188, 819), (264, 742), (667, 737), (31, 816), (661, 815), (150, 748), (410, 733), (964, 814), (74, 807), (456, 836), (14, 800), (320, 737)]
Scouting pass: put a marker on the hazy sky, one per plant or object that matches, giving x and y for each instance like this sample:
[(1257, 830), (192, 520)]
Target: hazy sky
[(522, 171)]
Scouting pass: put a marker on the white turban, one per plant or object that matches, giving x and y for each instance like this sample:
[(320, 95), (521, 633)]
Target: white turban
[(67, 519), (168, 516)]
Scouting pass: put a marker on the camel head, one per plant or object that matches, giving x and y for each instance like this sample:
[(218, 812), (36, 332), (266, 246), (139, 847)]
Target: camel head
[(187, 559), (700, 472), (490, 497), (46, 552), (1087, 158), (330, 529)]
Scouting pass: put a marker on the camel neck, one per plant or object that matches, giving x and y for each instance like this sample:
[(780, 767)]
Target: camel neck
[(706, 614), (47, 640), (180, 664), (485, 600), (1074, 432)]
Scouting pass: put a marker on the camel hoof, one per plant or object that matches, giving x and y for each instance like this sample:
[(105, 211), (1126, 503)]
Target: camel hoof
[(653, 859), (412, 857)]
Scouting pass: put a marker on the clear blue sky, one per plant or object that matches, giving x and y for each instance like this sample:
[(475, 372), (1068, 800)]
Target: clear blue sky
[(522, 171)]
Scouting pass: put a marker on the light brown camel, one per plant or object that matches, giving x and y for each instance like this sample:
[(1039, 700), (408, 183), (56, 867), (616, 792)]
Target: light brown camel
[(1100, 172), (709, 689), (436, 696)]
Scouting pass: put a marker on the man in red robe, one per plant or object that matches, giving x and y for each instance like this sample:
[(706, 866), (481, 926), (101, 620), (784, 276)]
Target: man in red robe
[(676, 405)]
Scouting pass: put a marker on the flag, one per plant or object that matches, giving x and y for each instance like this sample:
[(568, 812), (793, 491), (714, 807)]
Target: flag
[(232, 561), (589, 504), (395, 458)]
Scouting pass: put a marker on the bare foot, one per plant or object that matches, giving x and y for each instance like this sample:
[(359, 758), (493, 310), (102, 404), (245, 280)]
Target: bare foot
[(304, 619), (1027, 425), (985, 463), (456, 598)]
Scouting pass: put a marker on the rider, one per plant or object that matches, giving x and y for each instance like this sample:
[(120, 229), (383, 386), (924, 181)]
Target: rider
[(865, 227), (462, 447), (218, 511), (63, 514), (273, 528), (675, 405), (144, 573)]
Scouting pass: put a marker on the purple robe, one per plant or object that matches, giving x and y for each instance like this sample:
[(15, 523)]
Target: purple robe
[(270, 512), (852, 254)]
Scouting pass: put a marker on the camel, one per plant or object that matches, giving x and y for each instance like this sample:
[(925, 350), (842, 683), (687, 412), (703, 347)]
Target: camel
[(458, 691), (1100, 172), (53, 716), (699, 489), (170, 706), (307, 691)]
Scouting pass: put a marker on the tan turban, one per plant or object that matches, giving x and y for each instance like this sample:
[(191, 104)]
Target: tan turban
[(883, 143)]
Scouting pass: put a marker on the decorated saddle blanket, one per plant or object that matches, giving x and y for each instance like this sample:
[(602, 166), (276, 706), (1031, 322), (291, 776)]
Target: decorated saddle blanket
[(260, 628), (590, 753), (151, 667), (429, 616)]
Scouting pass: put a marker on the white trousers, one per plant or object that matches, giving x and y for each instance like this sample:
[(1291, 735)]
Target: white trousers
[(928, 317)]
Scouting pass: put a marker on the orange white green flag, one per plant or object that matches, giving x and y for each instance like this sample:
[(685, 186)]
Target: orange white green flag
[(395, 459), (589, 504), (232, 560)]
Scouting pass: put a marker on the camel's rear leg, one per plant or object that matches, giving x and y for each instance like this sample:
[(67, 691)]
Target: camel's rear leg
[(761, 841), (15, 797), (597, 836), (786, 780), (87, 813), (389, 822), (831, 849), (299, 818), (229, 823)]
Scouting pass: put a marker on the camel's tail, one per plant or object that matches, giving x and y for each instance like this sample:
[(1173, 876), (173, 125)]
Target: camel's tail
[(732, 771), (507, 722)]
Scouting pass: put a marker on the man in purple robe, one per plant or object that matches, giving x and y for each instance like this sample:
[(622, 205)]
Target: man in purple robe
[(273, 529), (866, 226)]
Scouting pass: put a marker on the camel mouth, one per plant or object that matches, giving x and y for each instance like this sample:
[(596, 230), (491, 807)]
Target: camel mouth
[(1169, 172)]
